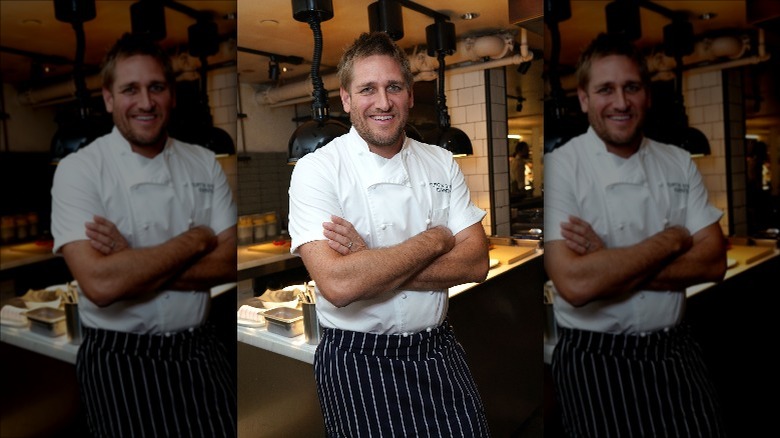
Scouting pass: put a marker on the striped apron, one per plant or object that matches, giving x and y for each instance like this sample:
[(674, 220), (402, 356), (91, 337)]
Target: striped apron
[(651, 385), (173, 385), (397, 385)]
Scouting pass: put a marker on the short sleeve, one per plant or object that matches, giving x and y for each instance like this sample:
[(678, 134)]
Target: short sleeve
[(313, 200), (75, 200), (463, 213)]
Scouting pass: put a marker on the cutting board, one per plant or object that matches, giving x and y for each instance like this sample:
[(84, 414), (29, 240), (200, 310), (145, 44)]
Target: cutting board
[(510, 254), (270, 248), (43, 247), (746, 255)]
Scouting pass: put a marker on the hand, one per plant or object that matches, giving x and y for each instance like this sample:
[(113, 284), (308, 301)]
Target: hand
[(679, 237), (580, 236), (342, 236), (104, 236), (443, 236), (204, 238)]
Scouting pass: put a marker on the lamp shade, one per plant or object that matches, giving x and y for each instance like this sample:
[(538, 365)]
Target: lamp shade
[(452, 139), (313, 135)]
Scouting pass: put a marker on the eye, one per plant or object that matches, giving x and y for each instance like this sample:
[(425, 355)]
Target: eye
[(604, 90), (633, 88), (128, 91), (395, 88), (157, 88), (366, 90)]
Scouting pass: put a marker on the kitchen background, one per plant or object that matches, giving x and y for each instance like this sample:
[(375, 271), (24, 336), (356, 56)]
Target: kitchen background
[(44, 117)]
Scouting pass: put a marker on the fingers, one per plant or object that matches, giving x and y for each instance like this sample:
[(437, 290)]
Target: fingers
[(100, 246), (338, 247)]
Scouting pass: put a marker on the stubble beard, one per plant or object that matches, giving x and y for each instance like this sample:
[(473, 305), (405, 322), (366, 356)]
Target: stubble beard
[(375, 139)]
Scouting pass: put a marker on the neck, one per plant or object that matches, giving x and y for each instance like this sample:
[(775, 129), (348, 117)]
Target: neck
[(149, 151)]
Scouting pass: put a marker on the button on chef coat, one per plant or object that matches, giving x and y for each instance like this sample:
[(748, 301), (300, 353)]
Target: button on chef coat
[(625, 201), (388, 201), (150, 201)]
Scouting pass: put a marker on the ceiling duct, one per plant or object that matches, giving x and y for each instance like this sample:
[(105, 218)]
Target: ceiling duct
[(473, 50), (319, 131)]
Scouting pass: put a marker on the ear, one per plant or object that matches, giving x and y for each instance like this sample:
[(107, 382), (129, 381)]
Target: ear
[(583, 98), (108, 100), (345, 99)]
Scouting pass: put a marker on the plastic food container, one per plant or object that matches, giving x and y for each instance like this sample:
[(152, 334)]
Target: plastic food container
[(285, 321), (47, 321)]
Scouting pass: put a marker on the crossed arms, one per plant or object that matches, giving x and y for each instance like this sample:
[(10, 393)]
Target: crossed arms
[(583, 270), (431, 260), (108, 270)]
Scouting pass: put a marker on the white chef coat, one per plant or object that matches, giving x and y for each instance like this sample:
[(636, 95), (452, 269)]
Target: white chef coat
[(625, 201), (388, 201), (150, 201)]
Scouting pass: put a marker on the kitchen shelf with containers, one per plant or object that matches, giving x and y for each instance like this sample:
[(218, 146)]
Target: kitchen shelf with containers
[(45, 321), (253, 329)]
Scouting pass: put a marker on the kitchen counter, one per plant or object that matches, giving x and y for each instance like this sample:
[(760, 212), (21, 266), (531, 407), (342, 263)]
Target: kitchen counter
[(258, 260), (508, 257), (59, 347), (743, 258), (14, 256)]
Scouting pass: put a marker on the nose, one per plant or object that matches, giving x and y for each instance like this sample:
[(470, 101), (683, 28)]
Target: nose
[(620, 100), (382, 101), (145, 101)]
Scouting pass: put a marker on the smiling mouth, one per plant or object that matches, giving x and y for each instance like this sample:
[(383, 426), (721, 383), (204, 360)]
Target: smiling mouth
[(382, 118)]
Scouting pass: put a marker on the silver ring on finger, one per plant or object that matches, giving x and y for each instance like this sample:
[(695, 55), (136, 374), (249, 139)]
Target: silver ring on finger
[(349, 245), (113, 244)]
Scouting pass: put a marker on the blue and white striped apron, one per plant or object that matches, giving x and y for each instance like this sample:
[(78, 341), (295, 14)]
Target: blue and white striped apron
[(397, 385), (173, 385), (650, 385)]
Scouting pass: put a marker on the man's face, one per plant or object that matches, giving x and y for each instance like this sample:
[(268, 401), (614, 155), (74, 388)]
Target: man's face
[(140, 101), (616, 101), (378, 103)]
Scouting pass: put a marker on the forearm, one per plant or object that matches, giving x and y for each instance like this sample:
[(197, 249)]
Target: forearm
[(611, 272), (704, 261), (369, 273), (467, 262), (216, 267), (109, 278)]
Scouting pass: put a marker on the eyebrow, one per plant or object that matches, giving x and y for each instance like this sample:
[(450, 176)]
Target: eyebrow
[(375, 84)]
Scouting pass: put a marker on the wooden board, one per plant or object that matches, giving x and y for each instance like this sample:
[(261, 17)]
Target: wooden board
[(748, 254), (510, 254), (270, 248)]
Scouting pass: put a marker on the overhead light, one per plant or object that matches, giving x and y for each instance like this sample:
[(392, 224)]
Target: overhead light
[(470, 15), (386, 16), (515, 136), (440, 38), (319, 131)]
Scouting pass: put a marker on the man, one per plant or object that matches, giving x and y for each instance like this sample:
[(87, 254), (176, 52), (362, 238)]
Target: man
[(147, 226), (628, 229), (385, 225)]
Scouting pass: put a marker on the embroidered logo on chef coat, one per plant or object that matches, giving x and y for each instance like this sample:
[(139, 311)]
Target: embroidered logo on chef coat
[(441, 187), (203, 187), (678, 187)]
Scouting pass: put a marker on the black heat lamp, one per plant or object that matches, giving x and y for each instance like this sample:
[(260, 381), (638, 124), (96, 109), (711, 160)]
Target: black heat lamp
[(679, 41), (73, 134), (147, 17), (623, 17), (386, 16), (319, 131), (440, 37)]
